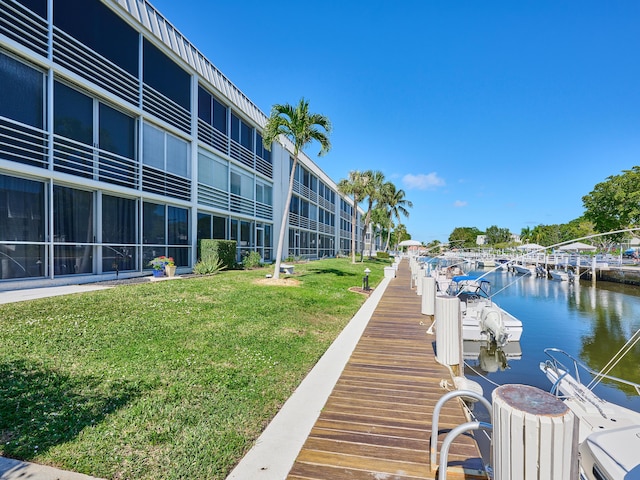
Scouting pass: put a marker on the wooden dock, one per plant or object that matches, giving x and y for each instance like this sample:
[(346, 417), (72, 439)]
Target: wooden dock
[(376, 424)]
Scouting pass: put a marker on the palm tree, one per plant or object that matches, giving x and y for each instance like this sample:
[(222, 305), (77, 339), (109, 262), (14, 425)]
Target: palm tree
[(373, 192), (381, 221), (395, 203), (301, 128), (356, 186)]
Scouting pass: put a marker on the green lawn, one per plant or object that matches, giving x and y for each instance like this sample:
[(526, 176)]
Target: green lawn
[(171, 379)]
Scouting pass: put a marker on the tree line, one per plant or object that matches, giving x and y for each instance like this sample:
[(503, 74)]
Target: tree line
[(612, 206)]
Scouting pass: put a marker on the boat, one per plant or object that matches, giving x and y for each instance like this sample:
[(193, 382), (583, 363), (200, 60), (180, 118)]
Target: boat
[(609, 434), (482, 319), (562, 275), (521, 269)]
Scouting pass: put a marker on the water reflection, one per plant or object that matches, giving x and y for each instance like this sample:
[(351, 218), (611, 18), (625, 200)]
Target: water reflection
[(488, 357), (591, 323)]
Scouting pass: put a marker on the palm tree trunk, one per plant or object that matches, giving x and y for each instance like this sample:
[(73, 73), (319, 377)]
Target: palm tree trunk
[(386, 248), (354, 218), (285, 217)]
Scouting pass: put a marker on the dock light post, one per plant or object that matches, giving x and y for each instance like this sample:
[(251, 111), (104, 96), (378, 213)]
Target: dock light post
[(365, 280)]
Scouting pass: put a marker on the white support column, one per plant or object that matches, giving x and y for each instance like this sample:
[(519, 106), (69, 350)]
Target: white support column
[(448, 334)]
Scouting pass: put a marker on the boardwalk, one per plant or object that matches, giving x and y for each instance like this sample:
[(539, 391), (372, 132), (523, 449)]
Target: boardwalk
[(376, 423)]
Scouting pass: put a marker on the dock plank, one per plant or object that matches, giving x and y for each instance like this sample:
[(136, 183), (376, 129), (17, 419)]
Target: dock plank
[(377, 421)]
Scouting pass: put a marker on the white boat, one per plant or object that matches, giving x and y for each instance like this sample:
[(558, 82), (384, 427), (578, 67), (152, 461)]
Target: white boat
[(562, 275), (609, 434), (521, 269), (482, 319)]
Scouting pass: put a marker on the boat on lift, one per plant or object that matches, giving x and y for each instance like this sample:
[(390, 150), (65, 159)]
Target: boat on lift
[(482, 319), (609, 434)]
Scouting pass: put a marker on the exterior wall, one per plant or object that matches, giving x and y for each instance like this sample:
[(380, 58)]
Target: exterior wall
[(122, 142)]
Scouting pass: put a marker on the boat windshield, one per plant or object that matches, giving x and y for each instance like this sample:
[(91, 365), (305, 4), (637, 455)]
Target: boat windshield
[(468, 285)]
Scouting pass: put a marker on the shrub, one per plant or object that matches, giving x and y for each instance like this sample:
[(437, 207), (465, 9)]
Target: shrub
[(251, 260), (212, 264), (382, 254), (218, 250)]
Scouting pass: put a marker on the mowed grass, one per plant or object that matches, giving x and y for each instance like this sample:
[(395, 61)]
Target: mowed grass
[(171, 379)]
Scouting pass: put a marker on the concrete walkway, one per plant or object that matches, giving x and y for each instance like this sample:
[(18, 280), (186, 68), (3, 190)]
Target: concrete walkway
[(33, 293)]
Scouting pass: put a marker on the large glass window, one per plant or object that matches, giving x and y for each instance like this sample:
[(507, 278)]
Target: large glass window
[(119, 220), (165, 76), (21, 210), (241, 132), (72, 114), (22, 219), (22, 89), (178, 234), (219, 227), (153, 224), (165, 151), (37, 6), (178, 226), (264, 193), (98, 27), (117, 132), (212, 172), (73, 230), (212, 111)]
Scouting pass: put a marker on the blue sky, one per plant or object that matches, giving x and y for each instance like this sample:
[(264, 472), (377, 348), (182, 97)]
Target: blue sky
[(485, 112)]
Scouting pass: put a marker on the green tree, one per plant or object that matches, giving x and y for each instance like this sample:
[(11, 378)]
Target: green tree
[(399, 234), (301, 127), (615, 203), (495, 235), (356, 186), (373, 195), (394, 201), (525, 235), (381, 217), (464, 237)]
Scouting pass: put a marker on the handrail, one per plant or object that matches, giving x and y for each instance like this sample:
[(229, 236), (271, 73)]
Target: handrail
[(433, 447), (577, 365), (444, 453)]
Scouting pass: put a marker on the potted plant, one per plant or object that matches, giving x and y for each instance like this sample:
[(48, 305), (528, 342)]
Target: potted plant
[(163, 265)]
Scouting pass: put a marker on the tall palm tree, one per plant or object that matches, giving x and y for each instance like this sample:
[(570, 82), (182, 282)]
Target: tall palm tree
[(356, 186), (396, 204), (301, 128), (373, 194), (381, 218)]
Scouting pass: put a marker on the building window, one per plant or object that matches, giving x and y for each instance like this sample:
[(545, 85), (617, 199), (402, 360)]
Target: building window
[(73, 231), (153, 224), (72, 114), (22, 89), (241, 133), (164, 75), (22, 219), (165, 151), (119, 221), (213, 172), (264, 193), (212, 111), (95, 25)]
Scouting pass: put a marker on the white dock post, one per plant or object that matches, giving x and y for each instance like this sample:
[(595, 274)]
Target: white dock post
[(448, 335), (428, 296), (419, 279), (593, 270), (535, 435)]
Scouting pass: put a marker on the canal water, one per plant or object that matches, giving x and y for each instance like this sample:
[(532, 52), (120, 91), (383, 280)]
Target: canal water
[(590, 323)]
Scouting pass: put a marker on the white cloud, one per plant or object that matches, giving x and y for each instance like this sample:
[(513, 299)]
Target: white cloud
[(422, 181), (459, 203)]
